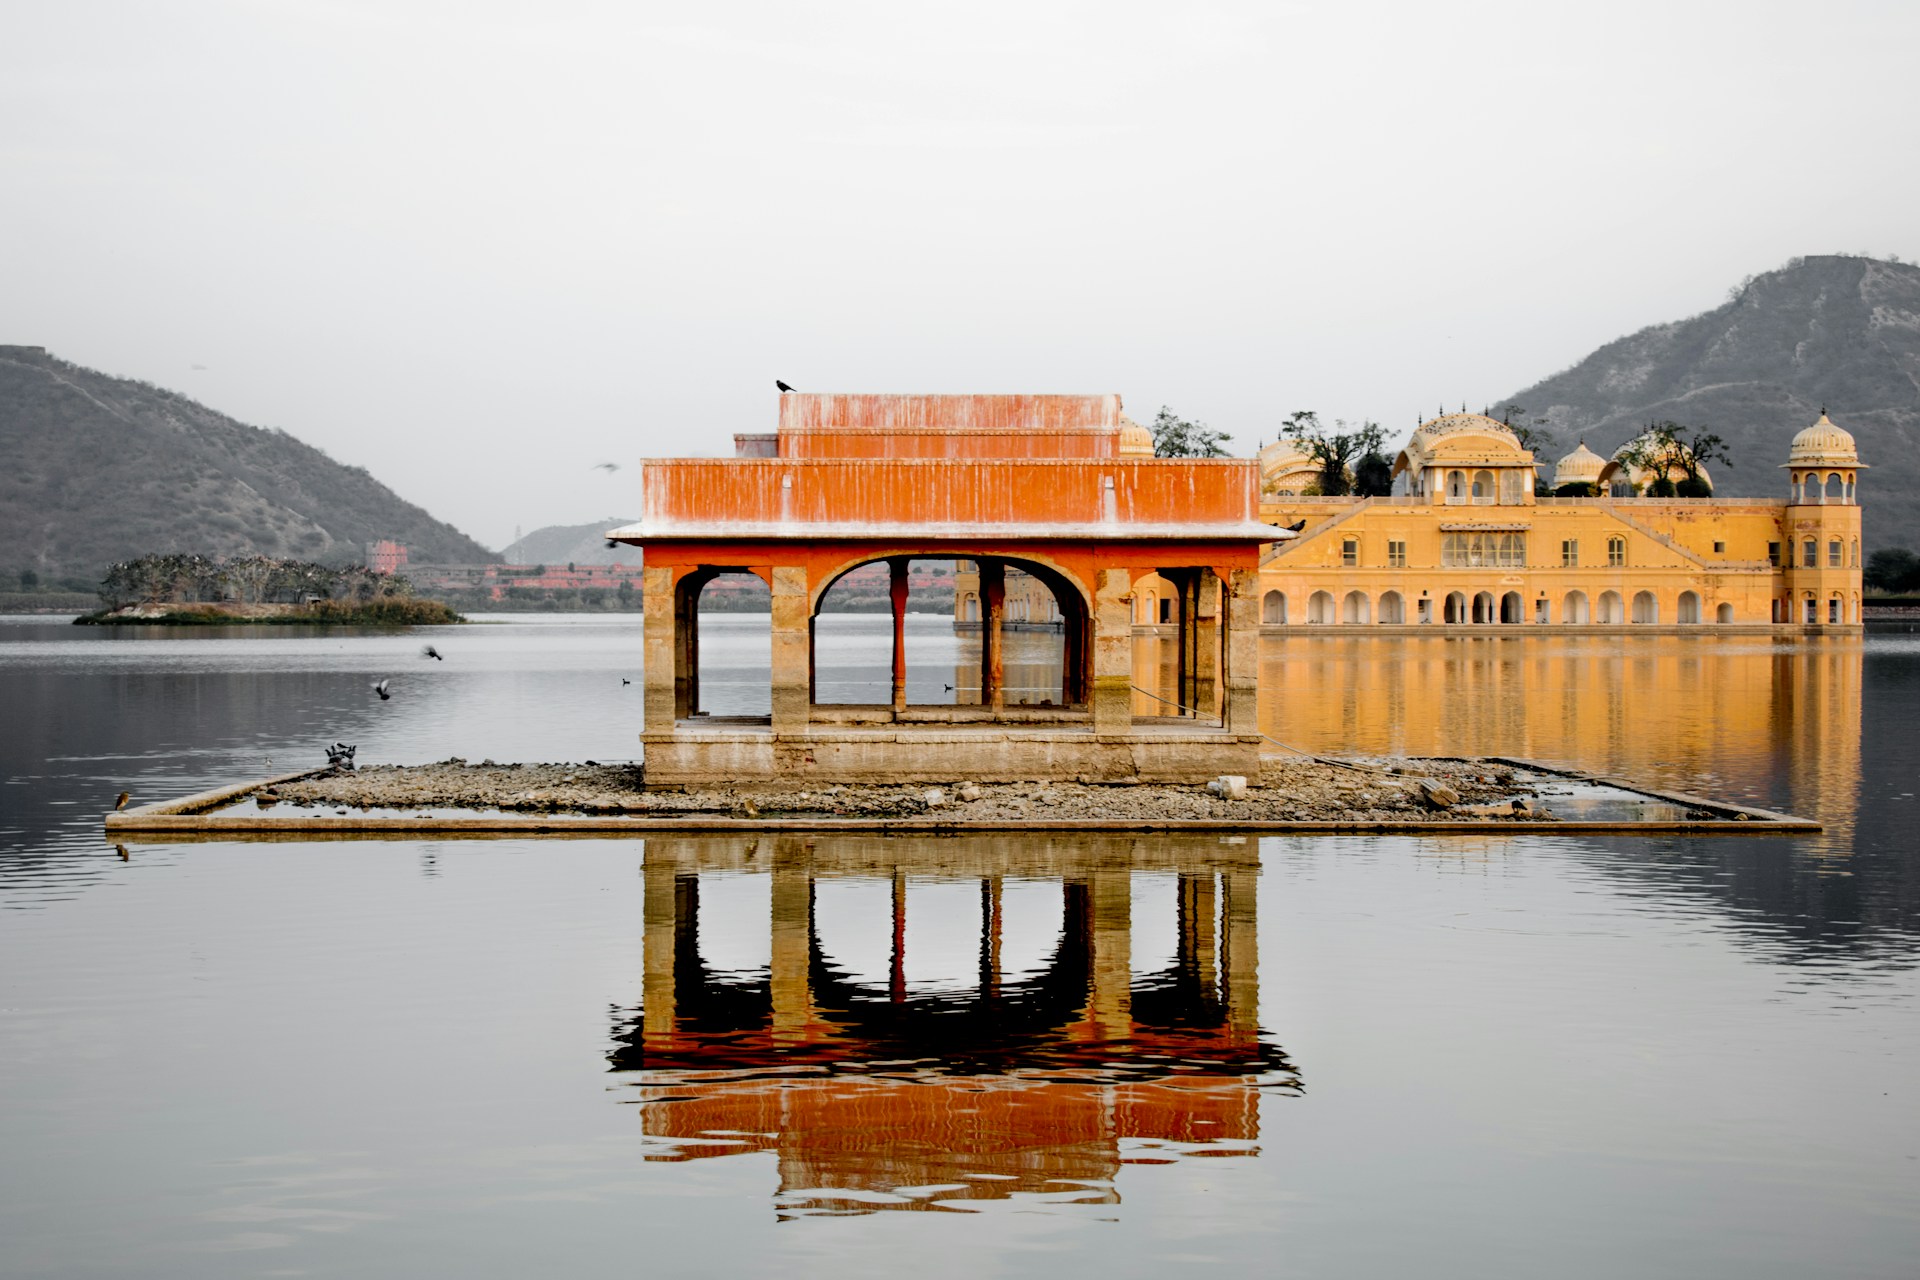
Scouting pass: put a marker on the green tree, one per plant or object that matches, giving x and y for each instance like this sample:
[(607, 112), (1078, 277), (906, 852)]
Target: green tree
[(1666, 448), (1895, 570), (29, 580), (1176, 437), (1348, 454)]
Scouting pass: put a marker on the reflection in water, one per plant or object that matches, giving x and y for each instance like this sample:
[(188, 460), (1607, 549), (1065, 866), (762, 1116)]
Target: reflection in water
[(893, 1094)]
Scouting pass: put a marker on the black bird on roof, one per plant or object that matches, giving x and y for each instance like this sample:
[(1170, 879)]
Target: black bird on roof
[(783, 386)]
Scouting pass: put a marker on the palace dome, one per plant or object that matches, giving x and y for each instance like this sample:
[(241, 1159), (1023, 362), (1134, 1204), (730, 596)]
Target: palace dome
[(1463, 424), (1620, 470), (1823, 445), (1135, 440), (1582, 466)]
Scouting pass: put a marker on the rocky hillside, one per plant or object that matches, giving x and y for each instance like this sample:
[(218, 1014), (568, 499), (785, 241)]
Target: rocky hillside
[(1838, 333), (101, 469), (572, 544)]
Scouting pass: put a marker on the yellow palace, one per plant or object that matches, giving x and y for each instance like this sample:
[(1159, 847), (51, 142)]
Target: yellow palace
[(1464, 542)]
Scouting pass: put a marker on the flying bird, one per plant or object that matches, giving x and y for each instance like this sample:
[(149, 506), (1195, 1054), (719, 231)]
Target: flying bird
[(624, 680), (606, 466), (200, 367), (121, 803), (783, 386), (431, 652), (381, 689)]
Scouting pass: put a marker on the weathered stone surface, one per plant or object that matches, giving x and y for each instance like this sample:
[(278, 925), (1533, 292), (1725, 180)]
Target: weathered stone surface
[(1437, 795)]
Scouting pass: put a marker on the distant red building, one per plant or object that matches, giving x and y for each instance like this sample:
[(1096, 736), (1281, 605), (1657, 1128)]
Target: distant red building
[(386, 556)]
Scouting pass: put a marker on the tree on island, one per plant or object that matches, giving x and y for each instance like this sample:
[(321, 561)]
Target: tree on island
[(1667, 447), (1176, 437), (1347, 454), (1894, 570), (1534, 436)]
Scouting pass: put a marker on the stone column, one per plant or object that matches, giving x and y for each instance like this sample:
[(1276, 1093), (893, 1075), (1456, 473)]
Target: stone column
[(792, 650), (1206, 644), (993, 660), (897, 966), (898, 594), (661, 648), (1241, 651), (1112, 693), (990, 929)]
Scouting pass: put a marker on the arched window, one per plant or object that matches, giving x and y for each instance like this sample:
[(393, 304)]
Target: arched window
[(1573, 609), (1483, 486), (1855, 561), (1320, 607), (1612, 612), (1483, 606), (1646, 609), (1456, 610), (1456, 486), (1393, 610), (1273, 608), (1356, 608), (1836, 488), (1723, 614), (1149, 608), (1835, 610), (1616, 552), (972, 612), (1836, 554), (1512, 608), (1809, 554), (1689, 608), (1850, 488)]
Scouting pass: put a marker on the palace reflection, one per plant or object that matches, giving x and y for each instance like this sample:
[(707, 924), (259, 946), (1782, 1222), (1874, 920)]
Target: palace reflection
[(877, 1093)]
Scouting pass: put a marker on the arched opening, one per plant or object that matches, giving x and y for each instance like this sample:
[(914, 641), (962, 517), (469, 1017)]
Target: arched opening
[(1512, 608), (1855, 561), (1612, 612), (1836, 554), (1456, 608), (723, 656), (1573, 609), (1836, 489), (1320, 608), (1456, 487), (1850, 489), (1393, 609), (1356, 608), (1273, 609), (1645, 608), (1149, 609), (970, 608), (1723, 614), (1483, 487), (1483, 606), (1688, 611), (1836, 611)]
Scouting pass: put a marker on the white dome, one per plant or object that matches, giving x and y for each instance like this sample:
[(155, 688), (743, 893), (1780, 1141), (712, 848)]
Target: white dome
[(1823, 445), (1582, 466)]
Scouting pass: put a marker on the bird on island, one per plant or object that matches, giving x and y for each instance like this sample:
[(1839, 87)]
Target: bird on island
[(608, 467), (783, 386), (381, 689), (121, 803), (430, 652)]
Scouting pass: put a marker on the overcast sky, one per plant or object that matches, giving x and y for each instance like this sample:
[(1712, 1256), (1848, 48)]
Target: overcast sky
[(478, 248)]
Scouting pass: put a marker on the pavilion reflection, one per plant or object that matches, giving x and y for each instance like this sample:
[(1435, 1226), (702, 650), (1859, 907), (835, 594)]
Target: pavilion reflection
[(878, 1094)]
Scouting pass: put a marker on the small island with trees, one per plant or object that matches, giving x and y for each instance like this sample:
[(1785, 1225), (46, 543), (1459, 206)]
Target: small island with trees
[(192, 590)]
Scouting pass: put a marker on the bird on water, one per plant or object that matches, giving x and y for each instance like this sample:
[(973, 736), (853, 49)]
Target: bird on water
[(430, 652), (783, 386), (121, 803), (381, 689)]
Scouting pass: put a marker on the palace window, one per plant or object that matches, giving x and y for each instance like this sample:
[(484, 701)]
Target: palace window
[(1570, 553), (1396, 555), (1773, 554), (1483, 550), (1835, 555), (1856, 553), (1719, 548), (1350, 552), (1809, 554), (1616, 552)]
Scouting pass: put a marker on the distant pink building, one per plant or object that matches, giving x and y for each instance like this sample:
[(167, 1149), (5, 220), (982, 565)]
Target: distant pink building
[(386, 556)]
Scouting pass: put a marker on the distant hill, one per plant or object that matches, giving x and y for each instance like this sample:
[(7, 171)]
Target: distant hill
[(572, 544), (100, 469), (1839, 333)]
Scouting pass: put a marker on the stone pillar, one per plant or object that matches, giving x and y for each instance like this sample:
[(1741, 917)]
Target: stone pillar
[(897, 593), (1206, 644), (1113, 651), (1110, 1003), (661, 646), (1242, 947), (993, 659), (990, 929), (1183, 616), (792, 650), (897, 962), (1240, 612), (791, 926)]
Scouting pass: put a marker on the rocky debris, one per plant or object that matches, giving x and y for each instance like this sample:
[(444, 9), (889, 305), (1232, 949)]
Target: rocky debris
[(1299, 790), (1436, 795)]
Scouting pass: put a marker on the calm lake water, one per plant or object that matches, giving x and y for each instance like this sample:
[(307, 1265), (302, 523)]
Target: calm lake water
[(983, 1056)]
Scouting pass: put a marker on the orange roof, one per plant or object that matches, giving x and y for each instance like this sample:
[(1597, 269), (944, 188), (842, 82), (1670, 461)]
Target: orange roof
[(968, 426)]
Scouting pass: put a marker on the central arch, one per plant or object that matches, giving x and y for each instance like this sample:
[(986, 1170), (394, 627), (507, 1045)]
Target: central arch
[(1356, 608), (1573, 609), (1612, 612), (1646, 609)]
